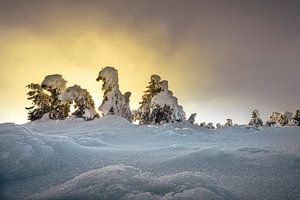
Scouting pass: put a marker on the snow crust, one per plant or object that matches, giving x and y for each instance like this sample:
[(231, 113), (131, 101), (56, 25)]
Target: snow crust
[(110, 158)]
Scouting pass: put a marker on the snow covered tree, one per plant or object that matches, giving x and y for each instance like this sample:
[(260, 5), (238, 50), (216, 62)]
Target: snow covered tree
[(41, 102), (160, 115), (296, 116), (202, 124), (218, 125), (157, 99), (55, 84), (255, 120), (192, 118), (83, 102), (143, 113), (274, 119), (114, 103), (210, 125), (228, 122), (285, 118)]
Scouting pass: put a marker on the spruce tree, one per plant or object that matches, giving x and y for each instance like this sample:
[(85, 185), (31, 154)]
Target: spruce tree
[(55, 84), (255, 120), (41, 102), (296, 116), (144, 111)]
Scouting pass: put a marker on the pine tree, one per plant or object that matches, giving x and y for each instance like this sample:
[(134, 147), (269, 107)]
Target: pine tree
[(192, 118), (285, 118), (152, 89), (41, 102), (158, 98), (255, 120), (274, 119), (210, 125), (55, 84), (296, 116), (228, 122)]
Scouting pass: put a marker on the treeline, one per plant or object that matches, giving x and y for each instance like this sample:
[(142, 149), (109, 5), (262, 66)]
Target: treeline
[(52, 99)]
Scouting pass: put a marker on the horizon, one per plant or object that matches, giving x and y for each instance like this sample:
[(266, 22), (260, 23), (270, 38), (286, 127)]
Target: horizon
[(221, 59)]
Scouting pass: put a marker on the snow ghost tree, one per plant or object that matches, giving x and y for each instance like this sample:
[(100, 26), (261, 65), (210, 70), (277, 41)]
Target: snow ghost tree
[(210, 125), (83, 102), (274, 119), (228, 122), (55, 84), (285, 118), (41, 102), (202, 124), (296, 117), (114, 103), (192, 118), (158, 104), (255, 120)]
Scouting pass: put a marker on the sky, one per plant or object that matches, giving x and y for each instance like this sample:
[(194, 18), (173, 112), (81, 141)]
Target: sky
[(222, 58)]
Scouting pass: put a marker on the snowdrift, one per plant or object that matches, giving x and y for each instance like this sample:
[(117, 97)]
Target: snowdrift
[(110, 158)]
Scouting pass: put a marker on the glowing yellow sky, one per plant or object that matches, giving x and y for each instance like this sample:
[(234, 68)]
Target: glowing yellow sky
[(78, 51)]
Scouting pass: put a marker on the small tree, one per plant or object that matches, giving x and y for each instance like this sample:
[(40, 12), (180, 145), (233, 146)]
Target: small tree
[(274, 119), (285, 118), (202, 124), (296, 117), (192, 118), (228, 122), (210, 125), (255, 120)]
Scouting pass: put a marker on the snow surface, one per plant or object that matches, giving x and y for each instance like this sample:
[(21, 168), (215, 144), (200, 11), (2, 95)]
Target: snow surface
[(110, 158)]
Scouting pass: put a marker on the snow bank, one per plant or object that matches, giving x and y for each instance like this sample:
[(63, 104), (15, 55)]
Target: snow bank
[(110, 158)]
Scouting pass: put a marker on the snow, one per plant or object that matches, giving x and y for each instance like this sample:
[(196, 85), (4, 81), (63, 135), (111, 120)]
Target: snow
[(165, 97), (82, 98), (54, 81), (110, 158)]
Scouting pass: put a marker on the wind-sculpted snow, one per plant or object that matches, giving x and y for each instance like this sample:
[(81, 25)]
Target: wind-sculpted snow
[(127, 182), (110, 158)]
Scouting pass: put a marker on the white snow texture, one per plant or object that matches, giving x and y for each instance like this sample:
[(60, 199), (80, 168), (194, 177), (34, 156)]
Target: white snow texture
[(77, 94), (165, 97), (54, 81), (114, 102), (110, 158)]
